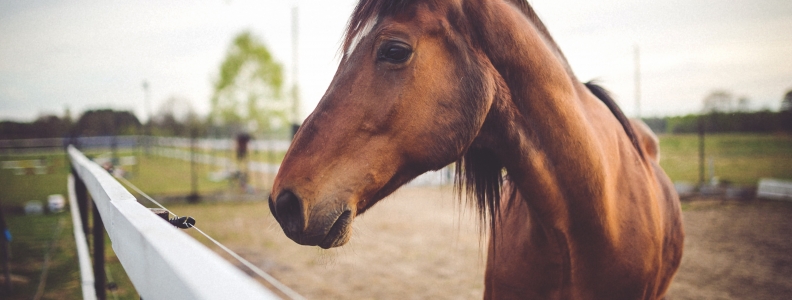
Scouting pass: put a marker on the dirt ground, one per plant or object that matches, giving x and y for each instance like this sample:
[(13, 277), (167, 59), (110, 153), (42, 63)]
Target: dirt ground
[(421, 243), (736, 250)]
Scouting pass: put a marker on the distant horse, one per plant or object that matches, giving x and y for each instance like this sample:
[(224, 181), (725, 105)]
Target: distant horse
[(585, 213)]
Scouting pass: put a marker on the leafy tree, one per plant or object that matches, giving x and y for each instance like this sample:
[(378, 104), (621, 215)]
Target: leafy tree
[(719, 101), (107, 122), (786, 112), (48, 126), (175, 117), (247, 93)]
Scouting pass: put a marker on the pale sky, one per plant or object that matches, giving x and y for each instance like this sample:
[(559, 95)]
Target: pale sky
[(96, 54)]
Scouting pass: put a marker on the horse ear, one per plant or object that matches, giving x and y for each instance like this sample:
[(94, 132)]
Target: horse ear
[(485, 29), (504, 29)]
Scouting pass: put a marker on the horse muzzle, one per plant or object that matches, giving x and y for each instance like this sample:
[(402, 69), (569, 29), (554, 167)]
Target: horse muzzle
[(329, 225)]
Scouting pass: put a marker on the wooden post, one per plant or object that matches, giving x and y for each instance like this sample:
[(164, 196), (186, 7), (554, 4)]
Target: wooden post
[(82, 200), (702, 130), (6, 249), (98, 255), (193, 197)]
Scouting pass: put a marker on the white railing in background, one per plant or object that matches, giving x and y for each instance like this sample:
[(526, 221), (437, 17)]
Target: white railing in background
[(277, 145), (83, 257), (774, 189), (161, 261), (131, 141)]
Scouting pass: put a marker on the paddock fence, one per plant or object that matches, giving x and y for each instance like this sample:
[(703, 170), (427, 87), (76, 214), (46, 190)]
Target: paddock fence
[(161, 261)]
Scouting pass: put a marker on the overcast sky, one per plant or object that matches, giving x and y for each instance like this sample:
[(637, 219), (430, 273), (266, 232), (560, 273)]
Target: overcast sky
[(96, 54)]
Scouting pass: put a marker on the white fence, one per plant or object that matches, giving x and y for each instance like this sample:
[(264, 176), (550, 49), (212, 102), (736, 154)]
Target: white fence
[(161, 261), (774, 189), (132, 141), (83, 257)]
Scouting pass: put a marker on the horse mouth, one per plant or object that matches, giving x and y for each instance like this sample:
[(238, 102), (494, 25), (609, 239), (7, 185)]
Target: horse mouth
[(339, 232)]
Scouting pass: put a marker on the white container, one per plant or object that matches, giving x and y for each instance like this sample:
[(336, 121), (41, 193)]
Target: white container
[(34, 208), (56, 203)]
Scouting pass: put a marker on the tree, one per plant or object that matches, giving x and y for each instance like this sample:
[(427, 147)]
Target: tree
[(786, 112), (46, 126), (175, 117), (718, 101), (104, 122), (247, 93)]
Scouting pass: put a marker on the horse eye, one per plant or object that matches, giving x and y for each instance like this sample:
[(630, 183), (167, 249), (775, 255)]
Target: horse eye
[(395, 53)]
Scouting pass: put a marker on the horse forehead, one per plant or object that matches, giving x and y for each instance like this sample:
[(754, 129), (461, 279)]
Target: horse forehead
[(369, 25), (420, 16)]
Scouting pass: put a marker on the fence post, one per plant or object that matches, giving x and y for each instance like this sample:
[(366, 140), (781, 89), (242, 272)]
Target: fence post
[(6, 252), (98, 255), (82, 200)]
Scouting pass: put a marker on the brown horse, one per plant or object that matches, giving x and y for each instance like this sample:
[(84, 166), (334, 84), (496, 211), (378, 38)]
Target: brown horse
[(424, 83)]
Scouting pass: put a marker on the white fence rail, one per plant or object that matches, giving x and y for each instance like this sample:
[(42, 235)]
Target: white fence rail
[(131, 141), (161, 261), (774, 189), (83, 257)]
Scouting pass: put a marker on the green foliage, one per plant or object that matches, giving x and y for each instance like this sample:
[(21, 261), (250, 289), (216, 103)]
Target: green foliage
[(43, 127), (756, 122), (107, 122), (176, 117), (249, 88), (91, 123)]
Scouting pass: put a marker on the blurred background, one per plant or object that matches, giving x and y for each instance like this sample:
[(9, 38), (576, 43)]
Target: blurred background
[(196, 104)]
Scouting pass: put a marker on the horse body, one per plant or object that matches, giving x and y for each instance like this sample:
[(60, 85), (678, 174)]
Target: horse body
[(426, 83)]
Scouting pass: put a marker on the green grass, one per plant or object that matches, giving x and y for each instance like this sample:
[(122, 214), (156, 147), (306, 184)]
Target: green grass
[(261, 156), (739, 158), (32, 237), (157, 175), (15, 190)]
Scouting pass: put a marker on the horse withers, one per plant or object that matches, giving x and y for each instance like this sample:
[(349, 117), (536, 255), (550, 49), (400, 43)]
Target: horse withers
[(584, 211)]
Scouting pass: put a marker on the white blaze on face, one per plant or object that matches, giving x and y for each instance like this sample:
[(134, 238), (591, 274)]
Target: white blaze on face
[(361, 34)]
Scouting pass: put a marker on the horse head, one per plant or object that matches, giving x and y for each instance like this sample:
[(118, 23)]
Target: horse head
[(410, 95)]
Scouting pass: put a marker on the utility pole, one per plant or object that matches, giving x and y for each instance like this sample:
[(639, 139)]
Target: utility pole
[(147, 128), (295, 92), (194, 196), (637, 82), (702, 128)]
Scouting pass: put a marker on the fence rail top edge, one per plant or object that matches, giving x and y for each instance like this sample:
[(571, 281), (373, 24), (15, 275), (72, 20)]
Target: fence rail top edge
[(161, 261)]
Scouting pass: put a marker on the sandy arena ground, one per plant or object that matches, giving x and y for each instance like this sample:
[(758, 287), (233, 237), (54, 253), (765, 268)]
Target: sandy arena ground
[(421, 243)]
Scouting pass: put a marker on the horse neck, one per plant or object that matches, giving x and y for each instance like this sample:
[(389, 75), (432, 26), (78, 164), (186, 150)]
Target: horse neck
[(541, 130)]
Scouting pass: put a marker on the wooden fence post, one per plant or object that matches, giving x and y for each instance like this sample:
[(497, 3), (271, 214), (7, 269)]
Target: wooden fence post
[(98, 255), (82, 200)]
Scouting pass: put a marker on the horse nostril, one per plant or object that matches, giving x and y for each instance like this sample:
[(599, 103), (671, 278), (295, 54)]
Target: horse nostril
[(288, 212), (272, 208)]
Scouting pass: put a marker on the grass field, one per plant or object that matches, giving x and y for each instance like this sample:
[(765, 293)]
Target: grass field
[(741, 159)]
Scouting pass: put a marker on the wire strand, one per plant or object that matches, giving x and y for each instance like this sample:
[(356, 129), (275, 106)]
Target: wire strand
[(271, 280), (45, 266)]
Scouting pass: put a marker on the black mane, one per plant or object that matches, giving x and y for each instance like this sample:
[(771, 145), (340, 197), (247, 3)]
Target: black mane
[(605, 97)]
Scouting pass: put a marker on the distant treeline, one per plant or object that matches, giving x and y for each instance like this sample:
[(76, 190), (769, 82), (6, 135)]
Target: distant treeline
[(748, 122), (110, 122), (106, 122), (91, 123)]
